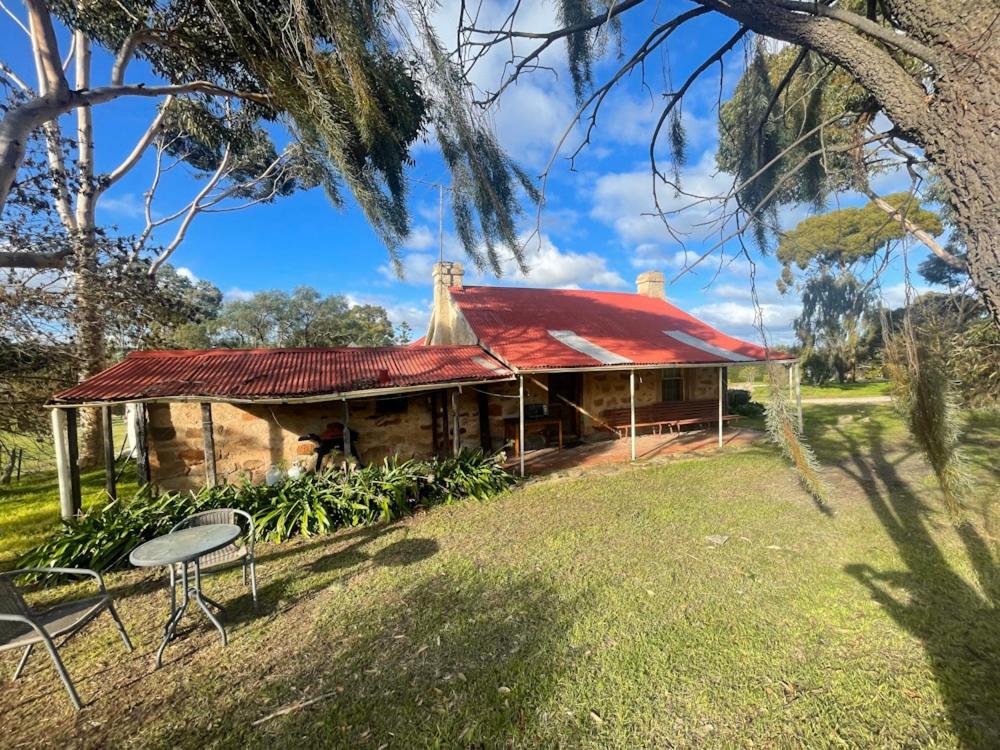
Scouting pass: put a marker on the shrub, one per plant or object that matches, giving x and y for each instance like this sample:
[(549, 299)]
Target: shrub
[(300, 506), (741, 403)]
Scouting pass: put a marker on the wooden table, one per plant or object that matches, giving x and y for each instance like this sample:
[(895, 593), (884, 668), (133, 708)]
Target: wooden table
[(511, 429)]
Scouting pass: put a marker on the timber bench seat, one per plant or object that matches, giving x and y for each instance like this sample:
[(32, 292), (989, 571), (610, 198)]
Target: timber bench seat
[(672, 415)]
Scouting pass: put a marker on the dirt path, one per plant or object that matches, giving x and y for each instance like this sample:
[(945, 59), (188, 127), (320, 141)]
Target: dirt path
[(849, 400)]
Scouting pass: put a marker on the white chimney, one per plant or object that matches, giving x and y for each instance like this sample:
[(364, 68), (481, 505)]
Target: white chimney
[(651, 284)]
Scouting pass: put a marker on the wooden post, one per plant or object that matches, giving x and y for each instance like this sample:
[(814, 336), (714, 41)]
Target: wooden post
[(347, 432), (631, 396), (520, 425), (485, 437), (141, 446), (62, 463), (456, 438), (208, 440), (721, 395), (435, 438), (109, 453), (798, 392)]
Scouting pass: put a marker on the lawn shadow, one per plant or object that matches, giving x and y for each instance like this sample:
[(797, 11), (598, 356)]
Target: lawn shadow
[(956, 622), (460, 658)]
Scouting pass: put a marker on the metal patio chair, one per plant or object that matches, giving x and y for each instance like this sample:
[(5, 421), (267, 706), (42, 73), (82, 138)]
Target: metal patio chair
[(227, 556), (23, 627)]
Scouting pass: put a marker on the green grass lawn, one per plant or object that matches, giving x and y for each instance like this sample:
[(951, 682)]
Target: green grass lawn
[(586, 612), (761, 391), (29, 509)]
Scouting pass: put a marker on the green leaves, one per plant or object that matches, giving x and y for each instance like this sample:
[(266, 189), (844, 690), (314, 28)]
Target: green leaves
[(303, 506)]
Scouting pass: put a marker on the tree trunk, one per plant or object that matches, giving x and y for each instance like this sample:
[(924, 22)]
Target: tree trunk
[(90, 344)]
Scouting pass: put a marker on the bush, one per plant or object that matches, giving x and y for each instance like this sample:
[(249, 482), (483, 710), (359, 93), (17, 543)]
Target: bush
[(741, 403), (300, 506)]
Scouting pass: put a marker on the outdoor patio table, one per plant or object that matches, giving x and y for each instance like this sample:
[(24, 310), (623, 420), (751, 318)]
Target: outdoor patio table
[(185, 547)]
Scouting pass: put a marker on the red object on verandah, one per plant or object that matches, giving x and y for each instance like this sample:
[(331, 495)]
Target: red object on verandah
[(249, 374), (516, 324)]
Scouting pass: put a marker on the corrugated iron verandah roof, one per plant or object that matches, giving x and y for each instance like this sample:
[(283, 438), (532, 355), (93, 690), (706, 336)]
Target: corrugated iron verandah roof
[(551, 329), (245, 375)]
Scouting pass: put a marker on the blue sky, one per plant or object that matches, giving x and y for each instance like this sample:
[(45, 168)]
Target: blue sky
[(594, 234)]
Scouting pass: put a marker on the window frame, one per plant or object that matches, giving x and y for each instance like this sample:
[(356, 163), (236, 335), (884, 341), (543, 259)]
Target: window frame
[(671, 374)]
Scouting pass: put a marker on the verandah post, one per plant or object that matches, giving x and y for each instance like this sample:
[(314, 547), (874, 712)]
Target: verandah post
[(520, 423), (208, 442), (631, 396), (60, 438), (347, 432), (721, 395), (141, 445), (456, 425), (110, 485), (798, 392)]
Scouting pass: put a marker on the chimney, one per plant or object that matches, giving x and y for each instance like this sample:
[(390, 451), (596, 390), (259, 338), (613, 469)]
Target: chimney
[(447, 274), (651, 284)]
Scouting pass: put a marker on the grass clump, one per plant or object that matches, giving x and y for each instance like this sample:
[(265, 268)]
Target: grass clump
[(301, 506)]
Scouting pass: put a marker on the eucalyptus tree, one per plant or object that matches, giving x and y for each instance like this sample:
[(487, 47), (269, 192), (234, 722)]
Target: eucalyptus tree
[(352, 84), (867, 84)]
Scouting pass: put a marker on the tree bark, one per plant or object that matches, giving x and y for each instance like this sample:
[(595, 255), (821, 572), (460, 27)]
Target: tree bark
[(954, 119)]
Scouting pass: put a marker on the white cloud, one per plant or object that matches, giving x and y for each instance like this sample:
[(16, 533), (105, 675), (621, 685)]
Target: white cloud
[(743, 314), (126, 204), (624, 201), (420, 238), (234, 294), (187, 273), (895, 296), (550, 267), (417, 268)]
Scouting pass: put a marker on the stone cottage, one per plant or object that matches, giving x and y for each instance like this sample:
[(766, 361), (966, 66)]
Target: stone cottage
[(499, 367)]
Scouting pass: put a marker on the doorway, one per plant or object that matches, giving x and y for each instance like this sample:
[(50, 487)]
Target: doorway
[(569, 385)]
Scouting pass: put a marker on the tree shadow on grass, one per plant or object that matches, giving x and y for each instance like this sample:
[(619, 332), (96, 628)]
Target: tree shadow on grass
[(957, 622), (462, 658)]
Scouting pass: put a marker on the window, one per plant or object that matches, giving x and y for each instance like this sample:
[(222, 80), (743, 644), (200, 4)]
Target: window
[(673, 385)]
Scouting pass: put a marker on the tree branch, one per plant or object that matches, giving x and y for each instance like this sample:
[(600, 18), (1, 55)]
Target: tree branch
[(140, 148), (195, 207), (866, 26), (925, 237)]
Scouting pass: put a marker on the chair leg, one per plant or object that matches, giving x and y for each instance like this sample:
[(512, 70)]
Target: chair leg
[(253, 582), (63, 675), (121, 626), (244, 571), (24, 660)]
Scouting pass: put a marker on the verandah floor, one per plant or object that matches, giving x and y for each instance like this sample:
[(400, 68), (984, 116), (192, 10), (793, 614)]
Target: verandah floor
[(549, 460)]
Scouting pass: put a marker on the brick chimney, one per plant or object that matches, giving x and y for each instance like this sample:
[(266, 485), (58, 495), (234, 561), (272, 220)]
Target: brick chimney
[(651, 284), (447, 325), (447, 274)]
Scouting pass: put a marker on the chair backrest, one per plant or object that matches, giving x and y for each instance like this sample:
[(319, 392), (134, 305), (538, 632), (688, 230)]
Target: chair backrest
[(12, 603), (222, 515)]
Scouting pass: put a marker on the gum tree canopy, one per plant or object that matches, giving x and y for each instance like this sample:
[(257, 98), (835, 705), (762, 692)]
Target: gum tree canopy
[(865, 85), (355, 81)]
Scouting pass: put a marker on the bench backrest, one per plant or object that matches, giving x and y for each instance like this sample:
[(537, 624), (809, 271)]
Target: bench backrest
[(665, 412)]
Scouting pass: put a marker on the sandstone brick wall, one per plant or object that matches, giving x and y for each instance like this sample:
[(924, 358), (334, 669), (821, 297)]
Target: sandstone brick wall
[(250, 438)]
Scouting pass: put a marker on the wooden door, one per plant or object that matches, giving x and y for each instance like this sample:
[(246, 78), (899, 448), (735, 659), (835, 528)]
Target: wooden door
[(569, 385)]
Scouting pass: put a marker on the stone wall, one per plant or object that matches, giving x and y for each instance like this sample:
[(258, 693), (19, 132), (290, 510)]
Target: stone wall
[(249, 438)]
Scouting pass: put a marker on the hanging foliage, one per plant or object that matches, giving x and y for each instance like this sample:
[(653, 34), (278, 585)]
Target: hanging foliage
[(925, 396), (783, 428)]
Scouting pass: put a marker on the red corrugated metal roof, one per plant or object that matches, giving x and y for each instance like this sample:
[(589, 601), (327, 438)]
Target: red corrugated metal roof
[(248, 374), (514, 323)]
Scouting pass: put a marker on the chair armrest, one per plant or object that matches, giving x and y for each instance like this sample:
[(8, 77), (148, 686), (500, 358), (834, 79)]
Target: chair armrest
[(64, 571)]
